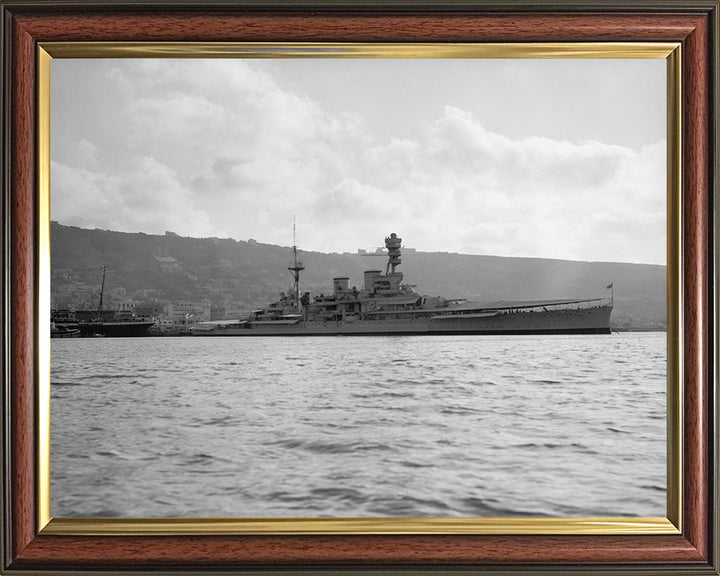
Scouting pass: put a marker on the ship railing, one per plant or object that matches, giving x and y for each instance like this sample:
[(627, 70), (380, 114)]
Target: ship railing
[(576, 305), (534, 307)]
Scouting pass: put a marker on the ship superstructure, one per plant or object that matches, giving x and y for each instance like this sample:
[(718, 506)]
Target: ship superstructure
[(386, 305)]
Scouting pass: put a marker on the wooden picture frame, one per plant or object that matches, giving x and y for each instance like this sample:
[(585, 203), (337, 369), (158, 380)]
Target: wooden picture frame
[(29, 546)]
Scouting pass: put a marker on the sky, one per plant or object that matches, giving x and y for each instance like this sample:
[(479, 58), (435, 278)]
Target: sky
[(535, 158)]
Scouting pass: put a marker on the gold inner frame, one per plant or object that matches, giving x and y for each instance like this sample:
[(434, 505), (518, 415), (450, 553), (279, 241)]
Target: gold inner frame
[(671, 524)]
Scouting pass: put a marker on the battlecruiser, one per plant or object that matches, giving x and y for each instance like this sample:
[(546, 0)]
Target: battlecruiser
[(385, 305)]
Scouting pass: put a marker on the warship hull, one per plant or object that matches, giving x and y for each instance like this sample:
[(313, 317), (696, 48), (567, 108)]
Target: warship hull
[(115, 329), (594, 320)]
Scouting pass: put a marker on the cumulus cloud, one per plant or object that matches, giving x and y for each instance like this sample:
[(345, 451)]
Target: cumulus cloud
[(149, 197), (226, 149), (463, 188)]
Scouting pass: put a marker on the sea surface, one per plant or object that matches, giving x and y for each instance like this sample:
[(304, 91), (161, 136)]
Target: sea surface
[(359, 426)]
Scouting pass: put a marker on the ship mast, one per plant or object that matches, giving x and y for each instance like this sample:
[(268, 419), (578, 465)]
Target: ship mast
[(296, 266), (102, 288)]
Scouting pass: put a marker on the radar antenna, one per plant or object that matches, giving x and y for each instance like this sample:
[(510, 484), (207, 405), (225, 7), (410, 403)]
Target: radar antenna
[(393, 244), (296, 266)]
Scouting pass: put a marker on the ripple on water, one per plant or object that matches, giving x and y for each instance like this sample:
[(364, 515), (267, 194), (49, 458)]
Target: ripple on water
[(321, 447), (400, 426)]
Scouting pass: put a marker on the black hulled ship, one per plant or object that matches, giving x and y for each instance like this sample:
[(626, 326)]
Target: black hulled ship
[(97, 322)]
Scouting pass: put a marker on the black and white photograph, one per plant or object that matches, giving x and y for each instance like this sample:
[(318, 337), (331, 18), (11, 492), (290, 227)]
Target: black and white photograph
[(358, 287)]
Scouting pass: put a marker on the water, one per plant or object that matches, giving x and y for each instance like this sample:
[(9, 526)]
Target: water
[(359, 426)]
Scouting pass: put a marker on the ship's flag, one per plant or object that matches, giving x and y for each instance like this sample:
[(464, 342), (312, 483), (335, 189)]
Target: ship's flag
[(609, 286)]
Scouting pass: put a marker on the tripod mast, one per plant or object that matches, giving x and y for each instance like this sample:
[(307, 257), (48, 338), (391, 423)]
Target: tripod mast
[(296, 266)]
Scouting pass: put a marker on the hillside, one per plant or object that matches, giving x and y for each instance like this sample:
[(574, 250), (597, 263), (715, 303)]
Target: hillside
[(241, 275)]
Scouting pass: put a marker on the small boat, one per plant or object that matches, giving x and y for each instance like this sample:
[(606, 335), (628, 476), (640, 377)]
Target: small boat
[(63, 330)]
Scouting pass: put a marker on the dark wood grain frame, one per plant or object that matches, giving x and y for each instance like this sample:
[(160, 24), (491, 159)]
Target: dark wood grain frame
[(694, 24)]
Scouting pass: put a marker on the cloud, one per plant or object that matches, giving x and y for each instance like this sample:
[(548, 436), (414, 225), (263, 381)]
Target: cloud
[(226, 149), (148, 198), (482, 192)]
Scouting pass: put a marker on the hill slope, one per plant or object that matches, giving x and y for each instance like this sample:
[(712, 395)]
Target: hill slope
[(244, 275)]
